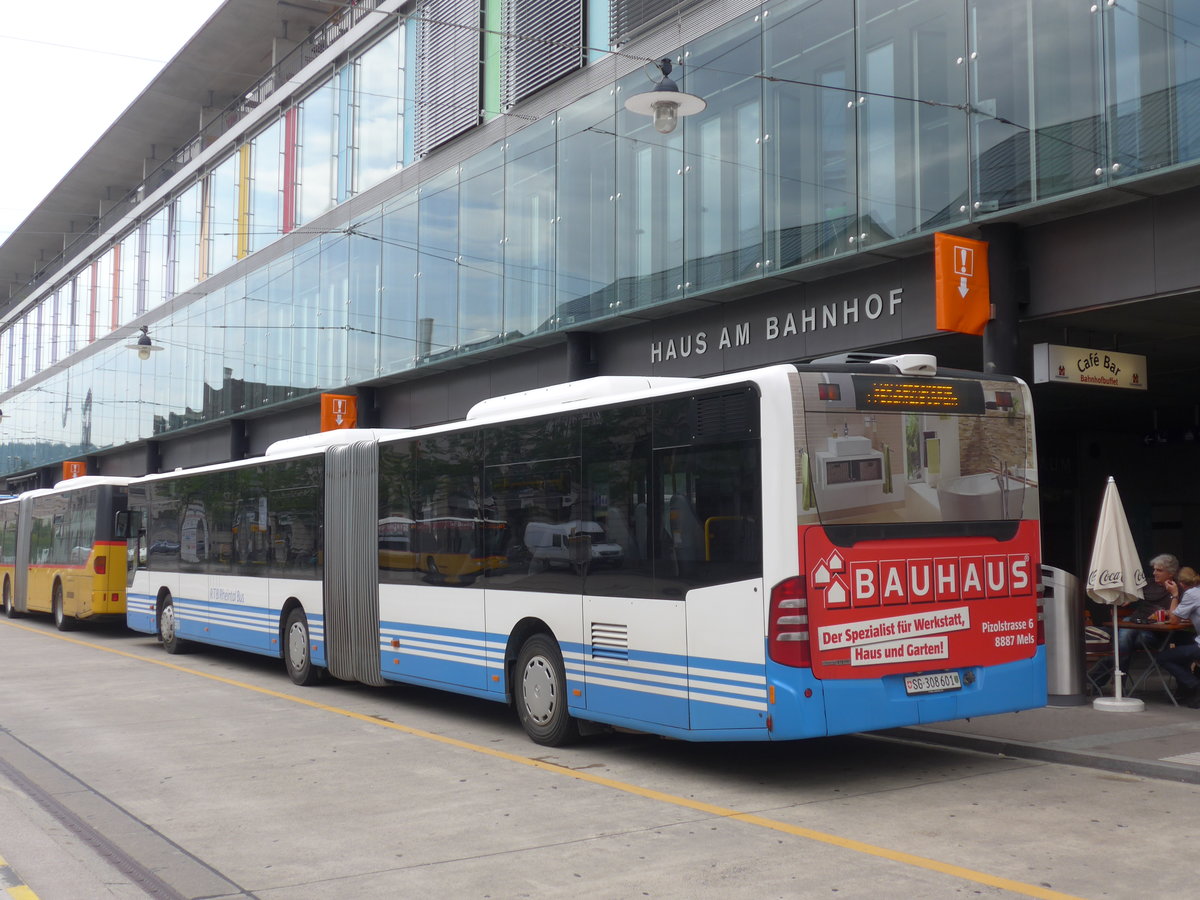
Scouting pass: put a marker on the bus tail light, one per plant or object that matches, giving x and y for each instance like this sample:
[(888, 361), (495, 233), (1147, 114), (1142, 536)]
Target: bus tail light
[(100, 565), (787, 630)]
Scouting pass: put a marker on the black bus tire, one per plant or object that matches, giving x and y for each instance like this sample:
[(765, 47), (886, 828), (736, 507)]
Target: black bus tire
[(297, 650), (168, 628), (62, 621), (540, 691)]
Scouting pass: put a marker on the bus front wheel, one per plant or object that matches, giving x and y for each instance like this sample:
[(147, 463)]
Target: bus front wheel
[(168, 628), (541, 690), (297, 651), (9, 609), (62, 621)]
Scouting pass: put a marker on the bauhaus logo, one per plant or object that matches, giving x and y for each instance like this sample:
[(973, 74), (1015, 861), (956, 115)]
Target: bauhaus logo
[(898, 582)]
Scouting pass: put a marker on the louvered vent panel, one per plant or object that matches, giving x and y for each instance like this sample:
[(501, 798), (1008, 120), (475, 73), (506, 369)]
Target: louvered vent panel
[(448, 54), (610, 641), (542, 42), (729, 414), (629, 17)]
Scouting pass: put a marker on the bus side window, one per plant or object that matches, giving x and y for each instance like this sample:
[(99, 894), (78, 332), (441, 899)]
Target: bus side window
[(127, 524)]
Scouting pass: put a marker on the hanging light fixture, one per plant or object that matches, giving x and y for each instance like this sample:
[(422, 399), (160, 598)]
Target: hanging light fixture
[(666, 103), (144, 346)]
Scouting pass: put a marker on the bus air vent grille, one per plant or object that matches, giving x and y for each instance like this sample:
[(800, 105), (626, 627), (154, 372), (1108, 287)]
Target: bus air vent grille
[(610, 641), (724, 415)]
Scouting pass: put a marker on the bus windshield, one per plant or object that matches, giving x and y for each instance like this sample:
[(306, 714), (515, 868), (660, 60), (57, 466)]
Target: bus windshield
[(879, 449)]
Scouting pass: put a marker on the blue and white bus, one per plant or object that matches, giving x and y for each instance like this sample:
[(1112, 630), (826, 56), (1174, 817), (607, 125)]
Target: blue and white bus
[(796, 551)]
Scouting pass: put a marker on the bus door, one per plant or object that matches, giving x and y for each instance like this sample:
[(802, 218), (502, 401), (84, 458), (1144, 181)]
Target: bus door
[(634, 648), (709, 484)]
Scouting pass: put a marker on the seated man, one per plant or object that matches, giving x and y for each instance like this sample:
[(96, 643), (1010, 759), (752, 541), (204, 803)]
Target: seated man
[(1156, 595)]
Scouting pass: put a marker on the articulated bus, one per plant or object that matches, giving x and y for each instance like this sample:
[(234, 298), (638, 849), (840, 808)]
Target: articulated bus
[(796, 551), (63, 550)]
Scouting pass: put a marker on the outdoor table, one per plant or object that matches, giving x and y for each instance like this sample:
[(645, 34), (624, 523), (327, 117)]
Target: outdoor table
[(1152, 667)]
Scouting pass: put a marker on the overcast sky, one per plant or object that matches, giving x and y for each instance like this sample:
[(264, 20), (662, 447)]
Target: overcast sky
[(68, 68)]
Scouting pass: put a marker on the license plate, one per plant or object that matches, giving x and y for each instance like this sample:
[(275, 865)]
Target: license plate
[(932, 683)]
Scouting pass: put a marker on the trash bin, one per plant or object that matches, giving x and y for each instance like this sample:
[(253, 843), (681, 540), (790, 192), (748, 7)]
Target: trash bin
[(1062, 618)]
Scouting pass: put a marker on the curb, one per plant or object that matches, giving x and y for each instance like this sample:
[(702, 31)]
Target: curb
[(1109, 762)]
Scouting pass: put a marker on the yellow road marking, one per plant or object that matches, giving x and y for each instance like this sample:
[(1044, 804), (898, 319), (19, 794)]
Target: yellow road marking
[(920, 862), (15, 891)]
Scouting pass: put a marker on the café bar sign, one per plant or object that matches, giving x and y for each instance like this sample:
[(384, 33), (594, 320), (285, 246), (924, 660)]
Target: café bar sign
[(1082, 365)]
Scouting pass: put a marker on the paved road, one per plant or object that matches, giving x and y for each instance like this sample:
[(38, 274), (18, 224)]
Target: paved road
[(130, 772)]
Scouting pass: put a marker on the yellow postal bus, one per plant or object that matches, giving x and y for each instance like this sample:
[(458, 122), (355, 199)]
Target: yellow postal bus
[(63, 551)]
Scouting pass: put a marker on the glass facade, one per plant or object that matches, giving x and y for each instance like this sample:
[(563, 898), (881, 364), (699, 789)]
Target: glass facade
[(830, 128)]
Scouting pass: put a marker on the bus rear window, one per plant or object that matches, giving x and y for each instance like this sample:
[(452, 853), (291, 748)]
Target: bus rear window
[(887, 449)]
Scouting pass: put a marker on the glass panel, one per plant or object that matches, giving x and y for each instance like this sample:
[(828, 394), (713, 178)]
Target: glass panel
[(304, 301), (586, 216), (365, 293), (258, 344), (154, 251), (1067, 98), (912, 154), (1184, 48), (481, 249), (437, 284), (317, 135), (649, 206), (266, 198), (1001, 127), (280, 384), (81, 309), (379, 122), (398, 314), (529, 231), (330, 332), (222, 217), (187, 240), (127, 279), (723, 209)]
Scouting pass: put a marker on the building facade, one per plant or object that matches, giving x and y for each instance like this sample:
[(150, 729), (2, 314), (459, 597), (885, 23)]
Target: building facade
[(424, 204)]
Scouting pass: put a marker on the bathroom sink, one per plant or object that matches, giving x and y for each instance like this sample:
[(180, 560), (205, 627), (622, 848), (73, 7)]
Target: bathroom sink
[(849, 445)]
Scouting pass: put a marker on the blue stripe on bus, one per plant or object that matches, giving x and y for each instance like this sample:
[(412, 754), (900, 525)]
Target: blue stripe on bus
[(238, 626)]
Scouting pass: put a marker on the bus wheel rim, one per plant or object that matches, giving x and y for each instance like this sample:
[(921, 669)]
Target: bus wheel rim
[(297, 645), (538, 690), (168, 622)]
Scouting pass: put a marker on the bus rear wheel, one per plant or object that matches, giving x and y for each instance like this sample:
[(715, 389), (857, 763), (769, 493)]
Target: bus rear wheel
[(9, 610), (168, 628), (541, 689), (297, 651), (62, 621)]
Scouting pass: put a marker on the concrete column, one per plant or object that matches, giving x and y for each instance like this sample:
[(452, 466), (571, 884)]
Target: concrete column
[(582, 361), (153, 457), (239, 439), (1008, 276), (368, 407)]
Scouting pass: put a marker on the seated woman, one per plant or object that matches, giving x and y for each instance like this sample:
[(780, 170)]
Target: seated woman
[(1178, 660)]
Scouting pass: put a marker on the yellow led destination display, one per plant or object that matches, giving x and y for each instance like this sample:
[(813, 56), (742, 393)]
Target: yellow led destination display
[(918, 394)]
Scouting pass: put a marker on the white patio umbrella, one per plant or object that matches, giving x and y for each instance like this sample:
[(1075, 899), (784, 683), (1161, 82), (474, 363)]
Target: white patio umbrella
[(1115, 577)]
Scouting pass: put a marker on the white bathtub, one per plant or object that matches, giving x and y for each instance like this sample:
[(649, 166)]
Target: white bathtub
[(978, 497)]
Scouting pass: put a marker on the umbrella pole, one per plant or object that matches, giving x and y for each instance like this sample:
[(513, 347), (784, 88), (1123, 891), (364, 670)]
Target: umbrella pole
[(1116, 657), (1117, 703)]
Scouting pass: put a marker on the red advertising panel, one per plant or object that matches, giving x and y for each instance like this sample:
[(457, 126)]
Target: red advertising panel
[(920, 604)]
